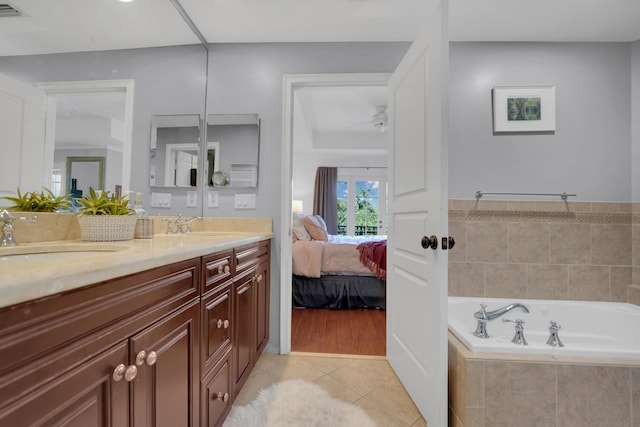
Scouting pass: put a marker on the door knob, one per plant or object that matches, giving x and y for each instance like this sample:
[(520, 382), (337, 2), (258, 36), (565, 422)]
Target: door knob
[(429, 242)]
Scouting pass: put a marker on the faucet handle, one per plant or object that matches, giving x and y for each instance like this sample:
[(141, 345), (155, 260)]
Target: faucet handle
[(518, 338), (554, 339)]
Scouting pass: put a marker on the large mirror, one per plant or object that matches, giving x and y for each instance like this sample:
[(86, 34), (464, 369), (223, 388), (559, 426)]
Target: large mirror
[(233, 150), (174, 150), (96, 96)]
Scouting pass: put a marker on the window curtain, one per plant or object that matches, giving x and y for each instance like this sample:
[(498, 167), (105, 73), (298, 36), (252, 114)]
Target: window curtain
[(325, 197)]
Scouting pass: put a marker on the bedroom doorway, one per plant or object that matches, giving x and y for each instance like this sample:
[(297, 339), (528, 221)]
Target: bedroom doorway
[(355, 143)]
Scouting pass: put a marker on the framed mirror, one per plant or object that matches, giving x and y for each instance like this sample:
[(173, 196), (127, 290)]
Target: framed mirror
[(83, 173), (233, 150), (174, 150)]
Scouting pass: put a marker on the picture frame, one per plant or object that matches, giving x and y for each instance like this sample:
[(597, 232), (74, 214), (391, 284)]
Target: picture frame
[(524, 108)]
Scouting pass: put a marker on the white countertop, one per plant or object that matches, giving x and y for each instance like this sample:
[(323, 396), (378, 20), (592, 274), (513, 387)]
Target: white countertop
[(30, 276)]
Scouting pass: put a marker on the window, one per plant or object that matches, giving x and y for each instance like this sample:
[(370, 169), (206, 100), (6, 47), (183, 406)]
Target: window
[(56, 182), (362, 203)]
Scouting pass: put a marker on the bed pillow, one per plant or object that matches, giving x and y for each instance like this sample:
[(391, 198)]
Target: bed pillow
[(316, 227), (299, 229)]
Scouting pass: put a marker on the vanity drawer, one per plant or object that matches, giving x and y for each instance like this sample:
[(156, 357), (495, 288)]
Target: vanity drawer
[(250, 256), (217, 268)]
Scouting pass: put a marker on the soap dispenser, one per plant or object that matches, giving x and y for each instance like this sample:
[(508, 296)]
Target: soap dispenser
[(144, 224)]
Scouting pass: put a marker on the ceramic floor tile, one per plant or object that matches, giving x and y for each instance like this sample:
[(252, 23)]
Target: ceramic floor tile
[(369, 383)]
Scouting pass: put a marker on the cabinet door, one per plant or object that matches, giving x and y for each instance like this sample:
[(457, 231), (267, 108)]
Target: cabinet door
[(86, 395), (216, 324), (262, 307), (166, 389), (216, 393), (243, 329)]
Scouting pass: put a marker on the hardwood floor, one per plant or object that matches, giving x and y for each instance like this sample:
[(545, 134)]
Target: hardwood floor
[(358, 331)]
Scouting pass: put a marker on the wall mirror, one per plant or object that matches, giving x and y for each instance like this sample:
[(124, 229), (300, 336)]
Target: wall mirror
[(233, 150), (174, 150), (82, 174)]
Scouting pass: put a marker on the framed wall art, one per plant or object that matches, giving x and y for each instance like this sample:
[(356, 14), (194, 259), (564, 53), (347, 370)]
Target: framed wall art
[(524, 108)]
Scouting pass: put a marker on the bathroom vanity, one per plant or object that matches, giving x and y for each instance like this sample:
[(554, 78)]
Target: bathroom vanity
[(156, 332)]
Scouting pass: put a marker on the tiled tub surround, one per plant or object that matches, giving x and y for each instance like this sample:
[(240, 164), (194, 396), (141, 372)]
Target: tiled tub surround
[(545, 250), (504, 390)]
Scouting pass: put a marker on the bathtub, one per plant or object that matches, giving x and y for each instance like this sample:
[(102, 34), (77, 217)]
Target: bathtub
[(589, 329)]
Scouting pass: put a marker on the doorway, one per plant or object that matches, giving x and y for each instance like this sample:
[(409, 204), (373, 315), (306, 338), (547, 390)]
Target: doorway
[(354, 144)]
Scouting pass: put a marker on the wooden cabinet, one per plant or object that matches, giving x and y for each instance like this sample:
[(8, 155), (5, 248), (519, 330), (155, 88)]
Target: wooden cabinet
[(165, 347), (71, 359)]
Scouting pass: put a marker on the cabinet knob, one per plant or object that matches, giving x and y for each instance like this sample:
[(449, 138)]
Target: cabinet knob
[(226, 324), (152, 358), (226, 269), (219, 323), (223, 269), (221, 396), (140, 357), (128, 373), (220, 269)]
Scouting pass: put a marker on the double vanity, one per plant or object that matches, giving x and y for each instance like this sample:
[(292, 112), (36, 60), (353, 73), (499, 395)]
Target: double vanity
[(160, 331)]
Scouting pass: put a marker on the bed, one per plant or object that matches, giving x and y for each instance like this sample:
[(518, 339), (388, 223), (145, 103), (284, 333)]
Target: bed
[(337, 272)]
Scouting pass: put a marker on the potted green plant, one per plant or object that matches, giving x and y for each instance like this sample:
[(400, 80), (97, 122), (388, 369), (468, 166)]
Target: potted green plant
[(104, 217), (45, 201)]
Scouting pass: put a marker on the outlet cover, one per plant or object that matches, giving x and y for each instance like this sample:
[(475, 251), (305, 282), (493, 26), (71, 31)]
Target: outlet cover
[(245, 201), (160, 200), (212, 199), (192, 199)]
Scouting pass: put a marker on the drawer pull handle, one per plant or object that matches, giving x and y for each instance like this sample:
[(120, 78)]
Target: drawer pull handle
[(128, 373), (221, 396)]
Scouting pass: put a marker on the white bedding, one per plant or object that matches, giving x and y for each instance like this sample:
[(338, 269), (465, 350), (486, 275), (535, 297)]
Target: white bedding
[(337, 256)]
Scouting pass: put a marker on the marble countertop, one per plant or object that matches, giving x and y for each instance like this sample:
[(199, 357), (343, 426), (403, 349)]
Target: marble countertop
[(71, 264)]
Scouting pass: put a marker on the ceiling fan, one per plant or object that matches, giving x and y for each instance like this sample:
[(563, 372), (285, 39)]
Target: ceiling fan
[(378, 120)]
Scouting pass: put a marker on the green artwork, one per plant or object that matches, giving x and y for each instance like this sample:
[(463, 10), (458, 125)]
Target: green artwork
[(523, 109)]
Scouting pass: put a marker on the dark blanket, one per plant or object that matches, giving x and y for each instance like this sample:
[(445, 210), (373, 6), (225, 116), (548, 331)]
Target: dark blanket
[(374, 256)]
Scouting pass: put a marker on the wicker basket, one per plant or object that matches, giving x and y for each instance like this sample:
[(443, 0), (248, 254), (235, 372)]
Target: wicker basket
[(106, 228)]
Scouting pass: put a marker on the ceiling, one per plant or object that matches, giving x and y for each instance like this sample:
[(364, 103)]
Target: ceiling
[(48, 26)]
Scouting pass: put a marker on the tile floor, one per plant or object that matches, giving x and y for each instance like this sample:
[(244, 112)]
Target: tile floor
[(365, 381)]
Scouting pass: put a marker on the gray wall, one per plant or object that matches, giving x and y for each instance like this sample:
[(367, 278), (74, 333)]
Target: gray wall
[(589, 152)]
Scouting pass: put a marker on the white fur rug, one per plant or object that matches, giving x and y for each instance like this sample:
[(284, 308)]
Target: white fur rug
[(297, 403)]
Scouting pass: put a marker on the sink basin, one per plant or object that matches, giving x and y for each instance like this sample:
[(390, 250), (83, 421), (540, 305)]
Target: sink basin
[(50, 249)]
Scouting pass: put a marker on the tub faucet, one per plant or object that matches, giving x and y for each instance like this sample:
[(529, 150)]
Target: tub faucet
[(482, 316), (554, 339)]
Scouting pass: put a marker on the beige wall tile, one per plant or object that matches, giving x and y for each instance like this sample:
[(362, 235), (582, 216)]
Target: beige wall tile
[(475, 384), (635, 245), (547, 281), (505, 281), (633, 294), (529, 242), (605, 207), (487, 241), (635, 396), (570, 243), (593, 396), (466, 279), (620, 281), (475, 417), (458, 230), (589, 283), (611, 244), (520, 394)]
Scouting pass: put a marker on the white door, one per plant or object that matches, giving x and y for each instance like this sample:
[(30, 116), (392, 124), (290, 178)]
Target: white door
[(22, 113), (417, 277)]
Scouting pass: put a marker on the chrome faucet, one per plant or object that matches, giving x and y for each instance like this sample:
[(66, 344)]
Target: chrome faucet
[(180, 224), (7, 229), (554, 339), (482, 316)]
